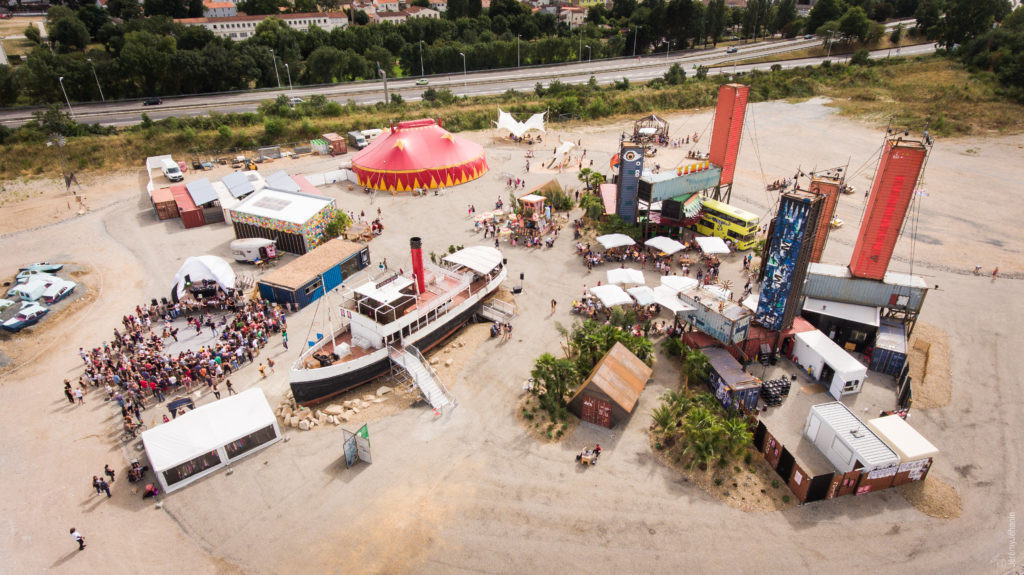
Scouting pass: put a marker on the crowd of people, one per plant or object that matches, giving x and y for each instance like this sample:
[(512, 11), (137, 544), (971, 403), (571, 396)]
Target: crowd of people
[(135, 370)]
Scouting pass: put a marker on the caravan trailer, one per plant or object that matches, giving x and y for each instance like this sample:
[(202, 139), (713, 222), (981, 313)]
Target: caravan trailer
[(252, 250)]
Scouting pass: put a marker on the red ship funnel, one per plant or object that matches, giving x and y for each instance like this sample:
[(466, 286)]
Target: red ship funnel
[(417, 263)]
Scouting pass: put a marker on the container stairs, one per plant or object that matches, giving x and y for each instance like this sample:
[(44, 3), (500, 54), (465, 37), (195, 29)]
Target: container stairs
[(410, 363), (497, 310)]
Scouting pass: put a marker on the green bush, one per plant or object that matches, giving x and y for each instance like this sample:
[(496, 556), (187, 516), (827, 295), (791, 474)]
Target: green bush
[(775, 483)]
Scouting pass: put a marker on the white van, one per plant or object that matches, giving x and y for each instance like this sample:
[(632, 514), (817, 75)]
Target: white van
[(172, 171)]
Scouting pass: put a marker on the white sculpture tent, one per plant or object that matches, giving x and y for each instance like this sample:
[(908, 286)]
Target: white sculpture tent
[(201, 268), (507, 122), (201, 441)]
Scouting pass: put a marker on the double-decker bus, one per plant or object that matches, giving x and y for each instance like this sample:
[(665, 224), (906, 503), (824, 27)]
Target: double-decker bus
[(729, 223)]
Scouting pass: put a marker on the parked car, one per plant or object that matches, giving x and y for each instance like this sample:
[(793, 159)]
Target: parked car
[(808, 36), (28, 315), (422, 82), (172, 171), (6, 303), (23, 275), (731, 50), (32, 289), (58, 290), (152, 102), (43, 267), (294, 101)]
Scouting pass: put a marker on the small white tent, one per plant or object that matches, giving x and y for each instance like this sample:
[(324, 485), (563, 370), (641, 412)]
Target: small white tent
[(712, 245), (667, 245), (611, 296), (201, 441), (622, 276), (201, 268), (679, 283), (610, 241), (642, 294)]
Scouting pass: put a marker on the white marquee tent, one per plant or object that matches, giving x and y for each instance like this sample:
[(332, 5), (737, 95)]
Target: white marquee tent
[(712, 245), (642, 294), (199, 268), (668, 298), (611, 296), (678, 283), (610, 241), (507, 122), (202, 441), (667, 245), (622, 276)]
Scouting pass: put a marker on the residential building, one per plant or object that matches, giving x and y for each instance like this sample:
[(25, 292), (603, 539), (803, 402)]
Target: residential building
[(214, 9), (388, 16), (421, 12), (243, 26), (574, 16), (439, 5)]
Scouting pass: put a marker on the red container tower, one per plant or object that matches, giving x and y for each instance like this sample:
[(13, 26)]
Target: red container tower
[(725, 139), (828, 188), (893, 189)]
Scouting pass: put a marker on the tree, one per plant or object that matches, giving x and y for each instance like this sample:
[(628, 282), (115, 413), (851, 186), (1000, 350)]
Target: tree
[(785, 14), (32, 34), (855, 24), (124, 9), (259, 6), (93, 17), (8, 88), (897, 34), (967, 19), (695, 365), (68, 34), (735, 436), (554, 378), (715, 15), (675, 75), (360, 18), (338, 225), (665, 419), (824, 11)]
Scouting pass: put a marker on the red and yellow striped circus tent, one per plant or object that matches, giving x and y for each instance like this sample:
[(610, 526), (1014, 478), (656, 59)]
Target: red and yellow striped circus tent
[(418, 154)]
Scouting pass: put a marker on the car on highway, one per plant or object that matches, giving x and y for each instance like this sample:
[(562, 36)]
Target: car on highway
[(28, 315), (152, 102), (294, 101), (731, 50), (422, 82), (809, 37)]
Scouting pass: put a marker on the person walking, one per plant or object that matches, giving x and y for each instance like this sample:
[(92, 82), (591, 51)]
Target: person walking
[(108, 472), (231, 388), (68, 393), (284, 338), (995, 273), (104, 487), (96, 484), (78, 538), (553, 305), (263, 370), (270, 364), (216, 392)]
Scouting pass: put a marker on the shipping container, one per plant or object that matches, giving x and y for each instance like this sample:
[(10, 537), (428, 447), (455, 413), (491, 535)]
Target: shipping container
[(915, 452), (788, 254), (890, 352), (733, 387), (163, 203), (667, 185), (835, 283), (825, 361), (191, 215), (728, 127), (308, 277), (845, 440), (828, 188), (724, 320), (336, 144), (891, 193)]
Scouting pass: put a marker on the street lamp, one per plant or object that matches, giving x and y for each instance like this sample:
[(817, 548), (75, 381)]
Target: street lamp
[(667, 48), (590, 54), (422, 73), (517, 49), (98, 87), (830, 33), (384, 76), (275, 69), (635, 34), (66, 99), (289, 71), (465, 80), (581, 44)]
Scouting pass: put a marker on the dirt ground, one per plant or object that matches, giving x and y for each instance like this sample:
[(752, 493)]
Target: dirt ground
[(469, 491), (929, 349)]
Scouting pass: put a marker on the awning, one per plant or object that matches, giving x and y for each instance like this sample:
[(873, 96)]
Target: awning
[(532, 198), (667, 298), (481, 259), (667, 245), (712, 245), (625, 276), (615, 241), (201, 191), (642, 294), (751, 302), (678, 283), (861, 314), (386, 293), (611, 296)]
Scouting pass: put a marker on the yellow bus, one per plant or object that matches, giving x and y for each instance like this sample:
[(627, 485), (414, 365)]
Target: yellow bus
[(729, 223)]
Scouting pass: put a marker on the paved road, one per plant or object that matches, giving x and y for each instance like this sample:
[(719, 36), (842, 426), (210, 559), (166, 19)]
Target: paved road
[(473, 83)]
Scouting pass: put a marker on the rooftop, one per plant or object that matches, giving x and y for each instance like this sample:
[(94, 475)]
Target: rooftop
[(299, 271), (292, 207)]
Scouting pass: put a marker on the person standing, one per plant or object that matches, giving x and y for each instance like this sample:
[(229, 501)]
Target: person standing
[(216, 393), (284, 338), (80, 397), (96, 484), (995, 273), (68, 393), (78, 538), (103, 486), (108, 472), (231, 388), (553, 305)]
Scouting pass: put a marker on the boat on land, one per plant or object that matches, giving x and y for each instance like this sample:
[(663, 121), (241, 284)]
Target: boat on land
[(386, 318)]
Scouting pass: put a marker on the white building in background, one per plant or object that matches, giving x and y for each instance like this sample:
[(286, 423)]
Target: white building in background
[(213, 9), (421, 12), (243, 26)]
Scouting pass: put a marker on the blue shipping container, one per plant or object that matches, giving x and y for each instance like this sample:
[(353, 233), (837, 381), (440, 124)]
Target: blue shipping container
[(733, 387), (890, 353)]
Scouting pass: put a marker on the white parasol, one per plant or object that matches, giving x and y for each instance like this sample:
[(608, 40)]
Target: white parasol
[(623, 276), (667, 245), (615, 241)]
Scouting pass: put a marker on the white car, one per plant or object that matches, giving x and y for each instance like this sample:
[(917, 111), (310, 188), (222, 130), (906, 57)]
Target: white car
[(33, 288), (28, 315), (23, 275), (58, 290), (6, 303)]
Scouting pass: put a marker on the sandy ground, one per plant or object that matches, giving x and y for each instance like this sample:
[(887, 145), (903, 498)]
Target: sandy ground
[(470, 492)]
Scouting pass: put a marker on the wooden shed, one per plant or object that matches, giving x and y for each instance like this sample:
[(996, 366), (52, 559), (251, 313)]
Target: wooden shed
[(611, 391)]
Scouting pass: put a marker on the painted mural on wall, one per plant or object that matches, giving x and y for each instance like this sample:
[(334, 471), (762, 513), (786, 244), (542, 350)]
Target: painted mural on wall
[(781, 262), (630, 168)]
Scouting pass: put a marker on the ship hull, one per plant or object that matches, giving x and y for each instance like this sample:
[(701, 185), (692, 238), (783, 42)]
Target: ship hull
[(324, 384)]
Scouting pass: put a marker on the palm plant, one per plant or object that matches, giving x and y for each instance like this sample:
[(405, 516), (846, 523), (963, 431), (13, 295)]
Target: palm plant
[(736, 436), (695, 365), (665, 420)]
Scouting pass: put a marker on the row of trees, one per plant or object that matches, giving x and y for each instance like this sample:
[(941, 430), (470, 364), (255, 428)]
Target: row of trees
[(1001, 53)]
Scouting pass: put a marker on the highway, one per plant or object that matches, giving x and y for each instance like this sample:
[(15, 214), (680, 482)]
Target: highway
[(127, 112)]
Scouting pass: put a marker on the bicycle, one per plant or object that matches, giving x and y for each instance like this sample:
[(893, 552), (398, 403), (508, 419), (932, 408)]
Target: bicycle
[(127, 436)]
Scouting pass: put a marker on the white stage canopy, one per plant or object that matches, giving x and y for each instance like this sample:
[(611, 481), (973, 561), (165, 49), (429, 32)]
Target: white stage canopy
[(667, 245), (611, 296), (712, 245), (615, 241), (201, 268), (624, 276), (507, 122), (201, 441), (667, 298), (678, 283), (481, 259), (642, 294)]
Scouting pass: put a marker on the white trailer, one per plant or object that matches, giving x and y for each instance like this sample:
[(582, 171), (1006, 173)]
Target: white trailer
[(846, 441), (828, 363)]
